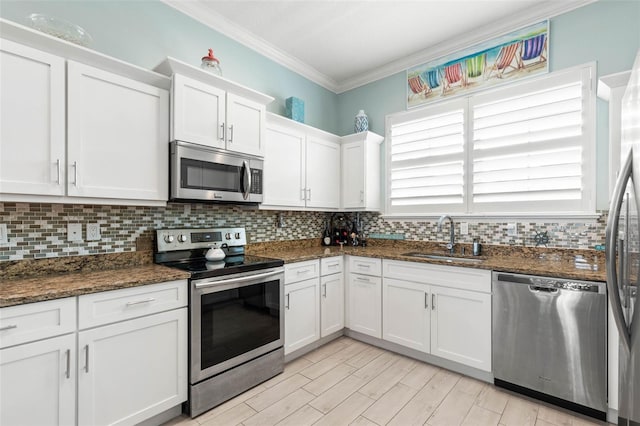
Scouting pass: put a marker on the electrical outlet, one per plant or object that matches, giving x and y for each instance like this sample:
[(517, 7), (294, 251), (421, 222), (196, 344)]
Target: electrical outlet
[(74, 232), (93, 232), (464, 228), (512, 229), (4, 237)]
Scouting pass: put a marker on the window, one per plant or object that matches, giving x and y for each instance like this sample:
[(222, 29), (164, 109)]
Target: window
[(527, 148)]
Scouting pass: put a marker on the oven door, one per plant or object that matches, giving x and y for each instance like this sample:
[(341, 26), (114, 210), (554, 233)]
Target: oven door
[(234, 319), (202, 173)]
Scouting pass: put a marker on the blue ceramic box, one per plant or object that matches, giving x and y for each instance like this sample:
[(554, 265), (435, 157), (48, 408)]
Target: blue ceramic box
[(295, 109)]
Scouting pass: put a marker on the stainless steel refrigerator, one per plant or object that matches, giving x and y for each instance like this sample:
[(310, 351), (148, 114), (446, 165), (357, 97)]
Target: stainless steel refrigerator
[(623, 254)]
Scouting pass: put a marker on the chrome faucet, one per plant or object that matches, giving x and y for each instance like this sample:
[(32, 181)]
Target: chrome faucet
[(451, 242)]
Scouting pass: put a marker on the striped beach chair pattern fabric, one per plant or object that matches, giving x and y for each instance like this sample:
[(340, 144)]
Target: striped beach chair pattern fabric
[(418, 86), (505, 59), (475, 65), (534, 47)]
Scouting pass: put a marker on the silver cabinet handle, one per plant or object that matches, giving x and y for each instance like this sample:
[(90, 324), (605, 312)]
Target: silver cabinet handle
[(363, 279), (303, 195), (287, 304), (324, 293), (58, 170), (139, 302), (426, 300), (221, 132), (75, 173), (309, 198), (86, 358), (8, 327), (68, 372), (231, 133), (303, 271), (224, 132), (361, 196), (433, 300), (363, 265)]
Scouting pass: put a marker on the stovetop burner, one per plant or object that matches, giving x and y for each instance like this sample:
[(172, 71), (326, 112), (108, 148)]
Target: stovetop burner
[(185, 249), (202, 268)]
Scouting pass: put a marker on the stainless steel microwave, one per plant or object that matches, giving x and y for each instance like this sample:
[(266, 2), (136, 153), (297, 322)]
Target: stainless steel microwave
[(201, 173)]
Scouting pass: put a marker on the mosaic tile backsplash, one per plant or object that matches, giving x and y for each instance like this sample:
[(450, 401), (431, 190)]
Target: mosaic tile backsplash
[(40, 230)]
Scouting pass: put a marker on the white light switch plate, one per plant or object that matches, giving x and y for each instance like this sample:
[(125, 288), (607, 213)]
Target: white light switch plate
[(74, 232), (4, 237), (464, 228), (93, 232), (512, 229)]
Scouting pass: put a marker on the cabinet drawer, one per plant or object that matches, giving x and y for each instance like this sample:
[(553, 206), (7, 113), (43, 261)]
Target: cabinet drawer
[(300, 271), (35, 321), (331, 265), (447, 276), (365, 265), (118, 305)]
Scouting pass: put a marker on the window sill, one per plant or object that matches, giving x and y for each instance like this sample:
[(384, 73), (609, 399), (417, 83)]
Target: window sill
[(497, 217)]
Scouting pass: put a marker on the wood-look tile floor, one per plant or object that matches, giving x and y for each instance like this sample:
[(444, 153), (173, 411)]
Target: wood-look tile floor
[(347, 382)]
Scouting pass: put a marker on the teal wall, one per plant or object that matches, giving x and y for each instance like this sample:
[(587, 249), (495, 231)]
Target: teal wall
[(607, 32), (144, 33)]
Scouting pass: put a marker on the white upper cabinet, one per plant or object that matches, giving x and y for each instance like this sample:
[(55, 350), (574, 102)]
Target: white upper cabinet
[(198, 112), (361, 171), (96, 132), (210, 110), (32, 113), (301, 167), (117, 136)]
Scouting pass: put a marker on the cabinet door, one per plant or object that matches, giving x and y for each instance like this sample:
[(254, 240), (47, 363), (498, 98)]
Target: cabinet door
[(245, 125), (301, 315), (331, 304), (353, 195), (461, 326), (406, 313), (323, 173), (117, 136), (132, 370), (365, 304), (198, 112), (38, 383), (32, 129), (284, 169)]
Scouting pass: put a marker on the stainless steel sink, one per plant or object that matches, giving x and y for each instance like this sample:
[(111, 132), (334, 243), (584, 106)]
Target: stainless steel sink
[(444, 257)]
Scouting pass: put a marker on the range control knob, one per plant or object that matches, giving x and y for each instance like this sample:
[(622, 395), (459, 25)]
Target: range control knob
[(227, 236), (168, 239), (182, 238), (237, 235)]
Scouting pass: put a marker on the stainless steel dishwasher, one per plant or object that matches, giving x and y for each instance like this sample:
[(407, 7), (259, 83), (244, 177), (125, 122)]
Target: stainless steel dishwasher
[(549, 340)]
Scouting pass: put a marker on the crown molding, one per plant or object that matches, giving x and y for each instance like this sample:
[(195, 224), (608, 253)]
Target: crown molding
[(205, 15), (196, 10)]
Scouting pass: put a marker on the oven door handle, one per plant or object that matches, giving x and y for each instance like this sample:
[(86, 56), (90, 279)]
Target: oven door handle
[(237, 280)]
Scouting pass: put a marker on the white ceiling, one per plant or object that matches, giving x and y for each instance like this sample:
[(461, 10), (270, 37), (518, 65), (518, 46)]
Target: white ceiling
[(343, 44)]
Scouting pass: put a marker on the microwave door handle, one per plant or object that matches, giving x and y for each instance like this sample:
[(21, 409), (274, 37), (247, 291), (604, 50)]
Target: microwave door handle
[(611, 239), (246, 180)]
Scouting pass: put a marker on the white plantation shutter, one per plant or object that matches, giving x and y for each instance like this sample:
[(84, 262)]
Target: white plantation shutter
[(529, 146), (427, 160), (526, 148)]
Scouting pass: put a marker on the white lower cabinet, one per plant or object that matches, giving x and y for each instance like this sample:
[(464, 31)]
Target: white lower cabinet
[(406, 313), (365, 296), (38, 383), (331, 296), (441, 310), (129, 363), (132, 370), (302, 315)]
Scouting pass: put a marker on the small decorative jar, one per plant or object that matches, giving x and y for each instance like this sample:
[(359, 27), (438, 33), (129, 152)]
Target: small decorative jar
[(211, 64), (362, 122)]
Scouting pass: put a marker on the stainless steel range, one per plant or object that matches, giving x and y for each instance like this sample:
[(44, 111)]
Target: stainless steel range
[(236, 320)]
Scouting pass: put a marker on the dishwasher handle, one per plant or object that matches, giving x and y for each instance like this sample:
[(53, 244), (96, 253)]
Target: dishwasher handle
[(538, 289)]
